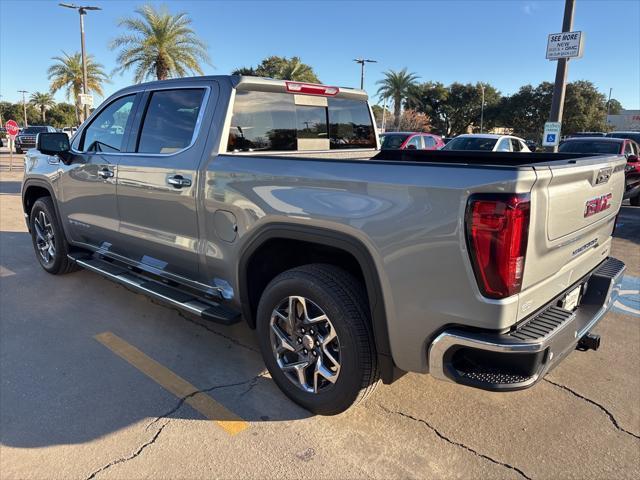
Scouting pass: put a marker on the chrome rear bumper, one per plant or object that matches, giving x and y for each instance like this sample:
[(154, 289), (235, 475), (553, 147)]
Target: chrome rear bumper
[(519, 358)]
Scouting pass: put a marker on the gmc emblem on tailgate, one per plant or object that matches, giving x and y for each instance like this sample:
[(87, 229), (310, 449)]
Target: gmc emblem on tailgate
[(597, 205), (604, 175)]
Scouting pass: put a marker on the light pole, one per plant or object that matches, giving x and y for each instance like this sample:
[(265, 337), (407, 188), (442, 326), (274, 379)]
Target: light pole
[(362, 61), (82, 10), (384, 112), (24, 107), (559, 87), (482, 109), (606, 120)]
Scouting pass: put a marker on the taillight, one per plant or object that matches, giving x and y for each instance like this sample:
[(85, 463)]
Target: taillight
[(497, 230), (311, 89)]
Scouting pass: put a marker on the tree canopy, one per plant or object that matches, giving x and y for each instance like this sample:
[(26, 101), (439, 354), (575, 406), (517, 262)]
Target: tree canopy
[(281, 68), (159, 45)]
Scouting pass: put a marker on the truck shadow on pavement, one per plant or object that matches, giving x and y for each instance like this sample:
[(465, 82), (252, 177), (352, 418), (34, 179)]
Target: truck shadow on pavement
[(59, 385)]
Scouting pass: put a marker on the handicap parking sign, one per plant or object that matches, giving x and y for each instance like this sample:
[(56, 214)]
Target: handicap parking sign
[(551, 135)]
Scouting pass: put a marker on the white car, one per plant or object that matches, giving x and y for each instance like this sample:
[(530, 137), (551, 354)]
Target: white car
[(70, 131), (487, 142)]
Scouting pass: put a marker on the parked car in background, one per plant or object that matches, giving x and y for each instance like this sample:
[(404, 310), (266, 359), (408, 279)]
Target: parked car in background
[(26, 139), (410, 141), (532, 144), (70, 131), (487, 142), (635, 136), (585, 134), (612, 146)]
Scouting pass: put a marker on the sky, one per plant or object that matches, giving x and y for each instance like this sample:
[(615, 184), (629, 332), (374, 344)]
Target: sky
[(499, 42)]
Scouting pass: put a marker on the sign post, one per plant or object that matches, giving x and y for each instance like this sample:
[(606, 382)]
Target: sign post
[(557, 101), (12, 130)]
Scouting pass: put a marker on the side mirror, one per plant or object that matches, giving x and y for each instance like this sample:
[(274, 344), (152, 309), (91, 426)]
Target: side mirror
[(411, 147), (53, 144), (632, 158)]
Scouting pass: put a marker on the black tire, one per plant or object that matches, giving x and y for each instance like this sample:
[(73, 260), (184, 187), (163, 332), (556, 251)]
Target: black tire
[(59, 262), (635, 201), (344, 301), (18, 151)]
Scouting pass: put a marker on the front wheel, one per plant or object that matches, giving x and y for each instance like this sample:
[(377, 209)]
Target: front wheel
[(48, 238), (315, 337)]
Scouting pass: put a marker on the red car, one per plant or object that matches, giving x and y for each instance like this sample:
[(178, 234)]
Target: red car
[(410, 141), (612, 146)]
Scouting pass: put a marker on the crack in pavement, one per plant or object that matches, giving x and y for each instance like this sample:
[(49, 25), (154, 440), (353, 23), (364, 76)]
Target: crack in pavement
[(190, 320), (233, 340), (613, 420), (453, 442), (132, 456), (252, 381)]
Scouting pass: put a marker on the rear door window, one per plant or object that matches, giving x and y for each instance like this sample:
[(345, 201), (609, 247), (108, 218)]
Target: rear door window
[(504, 145), (414, 143), (515, 145), (271, 121), (429, 142), (170, 120)]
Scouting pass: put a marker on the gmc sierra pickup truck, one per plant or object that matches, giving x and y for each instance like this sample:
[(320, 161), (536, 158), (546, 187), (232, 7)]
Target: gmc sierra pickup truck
[(233, 197)]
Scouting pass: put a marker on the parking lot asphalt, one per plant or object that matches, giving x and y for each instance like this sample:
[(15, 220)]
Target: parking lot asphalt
[(99, 382)]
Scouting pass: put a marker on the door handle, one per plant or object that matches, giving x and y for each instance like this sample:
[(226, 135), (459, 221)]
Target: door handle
[(105, 173), (178, 181)]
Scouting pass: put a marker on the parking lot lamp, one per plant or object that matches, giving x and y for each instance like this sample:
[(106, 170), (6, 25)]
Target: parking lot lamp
[(362, 61), (82, 10), (482, 109)]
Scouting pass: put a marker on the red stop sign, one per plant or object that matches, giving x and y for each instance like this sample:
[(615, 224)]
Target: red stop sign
[(12, 128)]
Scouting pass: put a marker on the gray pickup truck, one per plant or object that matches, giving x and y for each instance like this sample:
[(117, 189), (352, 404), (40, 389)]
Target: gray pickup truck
[(246, 198)]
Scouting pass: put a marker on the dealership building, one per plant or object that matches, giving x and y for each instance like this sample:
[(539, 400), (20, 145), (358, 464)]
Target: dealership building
[(625, 120)]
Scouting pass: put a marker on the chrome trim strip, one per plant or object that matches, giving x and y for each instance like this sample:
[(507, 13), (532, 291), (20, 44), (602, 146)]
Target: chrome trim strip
[(203, 107), (129, 280)]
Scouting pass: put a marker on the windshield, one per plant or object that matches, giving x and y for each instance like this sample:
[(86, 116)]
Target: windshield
[(390, 142), (590, 146), (471, 143), (34, 130)]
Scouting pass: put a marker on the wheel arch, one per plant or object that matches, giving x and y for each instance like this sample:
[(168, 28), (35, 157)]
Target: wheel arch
[(323, 238), (32, 190)]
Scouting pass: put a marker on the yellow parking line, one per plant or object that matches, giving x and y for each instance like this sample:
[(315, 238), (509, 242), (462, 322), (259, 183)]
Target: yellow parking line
[(202, 402)]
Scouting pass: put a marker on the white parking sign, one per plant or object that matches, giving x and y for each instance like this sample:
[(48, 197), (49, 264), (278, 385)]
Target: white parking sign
[(551, 136)]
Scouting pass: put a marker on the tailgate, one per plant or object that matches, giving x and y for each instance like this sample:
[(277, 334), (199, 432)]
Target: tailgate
[(573, 210), (581, 195)]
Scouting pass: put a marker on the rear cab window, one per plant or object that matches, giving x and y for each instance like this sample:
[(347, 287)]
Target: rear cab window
[(278, 121), (170, 120)]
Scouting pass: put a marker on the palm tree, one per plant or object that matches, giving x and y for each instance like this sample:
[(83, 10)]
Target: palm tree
[(67, 73), (159, 45), (44, 101), (295, 70), (397, 86)]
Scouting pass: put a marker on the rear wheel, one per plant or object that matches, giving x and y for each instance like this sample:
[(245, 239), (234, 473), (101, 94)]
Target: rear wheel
[(315, 337), (48, 238)]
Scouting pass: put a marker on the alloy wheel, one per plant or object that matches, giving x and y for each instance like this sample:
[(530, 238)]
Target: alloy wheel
[(45, 239), (305, 344)]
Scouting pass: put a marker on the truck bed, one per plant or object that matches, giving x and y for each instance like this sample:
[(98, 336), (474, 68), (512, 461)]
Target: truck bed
[(497, 159)]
